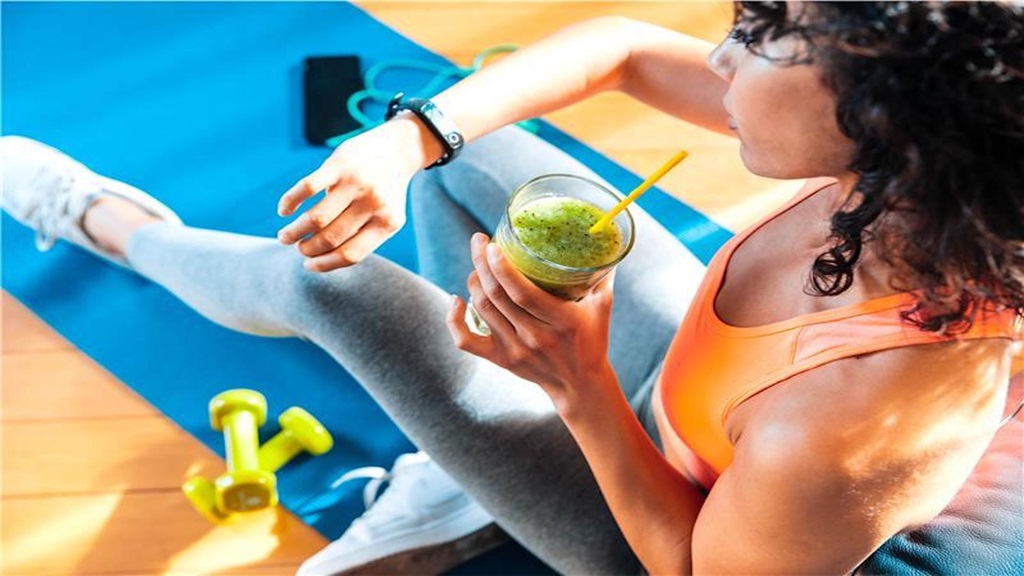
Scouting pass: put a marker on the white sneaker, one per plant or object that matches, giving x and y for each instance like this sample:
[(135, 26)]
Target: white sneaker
[(423, 523), (49, 192)]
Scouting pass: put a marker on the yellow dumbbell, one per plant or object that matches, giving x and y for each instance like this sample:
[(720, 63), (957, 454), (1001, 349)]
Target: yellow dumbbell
[(300, 431), (249, 483), (244, 487)]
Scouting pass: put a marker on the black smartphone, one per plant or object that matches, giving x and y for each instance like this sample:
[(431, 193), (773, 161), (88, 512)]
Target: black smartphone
[(328, 81)]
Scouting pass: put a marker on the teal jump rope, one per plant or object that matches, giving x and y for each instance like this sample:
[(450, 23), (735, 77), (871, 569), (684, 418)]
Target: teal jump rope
[(373, 94)]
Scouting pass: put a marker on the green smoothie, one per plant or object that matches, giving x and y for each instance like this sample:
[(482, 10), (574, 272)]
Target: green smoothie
[(557, 229)]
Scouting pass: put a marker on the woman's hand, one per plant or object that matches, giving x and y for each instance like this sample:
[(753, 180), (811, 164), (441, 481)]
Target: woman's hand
[(560, 345), (366, 179)]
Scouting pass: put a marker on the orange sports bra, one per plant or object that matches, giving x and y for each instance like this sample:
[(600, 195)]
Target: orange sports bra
[(712, 367)]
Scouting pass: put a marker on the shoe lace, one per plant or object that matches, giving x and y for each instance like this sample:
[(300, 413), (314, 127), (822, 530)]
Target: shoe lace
[(54, 213), (387, 503)]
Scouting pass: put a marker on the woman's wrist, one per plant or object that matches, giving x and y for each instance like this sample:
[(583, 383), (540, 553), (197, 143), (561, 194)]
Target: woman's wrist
[(584, 400), (424, 148)]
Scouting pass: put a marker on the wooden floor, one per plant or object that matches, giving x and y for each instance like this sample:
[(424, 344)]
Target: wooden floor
[(91, 472)]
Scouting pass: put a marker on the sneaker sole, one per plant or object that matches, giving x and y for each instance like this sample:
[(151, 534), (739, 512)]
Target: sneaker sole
[(434, 559)]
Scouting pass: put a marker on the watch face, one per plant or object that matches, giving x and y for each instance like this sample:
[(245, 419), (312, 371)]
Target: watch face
[(432, 114)]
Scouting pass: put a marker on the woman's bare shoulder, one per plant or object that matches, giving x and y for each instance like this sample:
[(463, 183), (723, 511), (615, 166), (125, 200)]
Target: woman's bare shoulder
[(904, 426), (831, 463)]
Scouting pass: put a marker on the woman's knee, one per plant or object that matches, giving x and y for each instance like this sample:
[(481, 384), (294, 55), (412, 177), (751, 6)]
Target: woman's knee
[(307, 294)]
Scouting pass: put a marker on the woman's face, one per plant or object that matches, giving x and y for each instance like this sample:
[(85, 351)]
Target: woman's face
[(782, 113)]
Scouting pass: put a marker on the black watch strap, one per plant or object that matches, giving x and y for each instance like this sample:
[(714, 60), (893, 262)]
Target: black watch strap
[(439, 125)]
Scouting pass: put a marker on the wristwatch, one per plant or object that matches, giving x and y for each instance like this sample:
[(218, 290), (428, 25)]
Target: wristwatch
[(439, 125)]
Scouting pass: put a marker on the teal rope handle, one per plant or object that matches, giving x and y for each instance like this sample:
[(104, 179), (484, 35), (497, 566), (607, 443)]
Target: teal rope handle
[(442, 73)]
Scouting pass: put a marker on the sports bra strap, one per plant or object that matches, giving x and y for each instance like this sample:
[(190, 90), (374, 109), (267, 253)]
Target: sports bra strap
[(818, 344)]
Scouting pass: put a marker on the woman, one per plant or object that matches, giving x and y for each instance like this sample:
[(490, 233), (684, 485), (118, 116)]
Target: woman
[(837, 375)]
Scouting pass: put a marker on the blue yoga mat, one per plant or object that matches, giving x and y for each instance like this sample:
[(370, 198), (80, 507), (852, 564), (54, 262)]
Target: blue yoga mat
[(200, 103)]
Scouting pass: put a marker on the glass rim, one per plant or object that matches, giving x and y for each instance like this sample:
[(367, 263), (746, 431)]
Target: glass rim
[(562, 267)]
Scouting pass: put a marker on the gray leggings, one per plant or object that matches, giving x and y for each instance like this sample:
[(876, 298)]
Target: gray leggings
[(495, 434)]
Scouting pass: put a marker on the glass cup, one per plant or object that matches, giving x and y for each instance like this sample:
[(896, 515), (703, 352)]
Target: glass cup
[(536, 234)]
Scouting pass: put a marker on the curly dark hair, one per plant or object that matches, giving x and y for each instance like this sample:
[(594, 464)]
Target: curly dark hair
[(932, 96)]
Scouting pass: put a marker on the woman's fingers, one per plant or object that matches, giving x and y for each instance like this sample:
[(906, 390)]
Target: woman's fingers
[(319, 217), (309, 186), (496, 320), (520, 291), (338, 232), (462, 336), (354, 250), (493, 287)]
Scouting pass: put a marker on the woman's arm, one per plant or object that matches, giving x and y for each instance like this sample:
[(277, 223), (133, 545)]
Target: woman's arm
[(663, 68), (668, 70), (563, 347), (655, 506), (366, 178)]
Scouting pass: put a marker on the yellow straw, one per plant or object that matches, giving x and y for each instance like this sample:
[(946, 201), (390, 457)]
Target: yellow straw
[(638, 191)]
